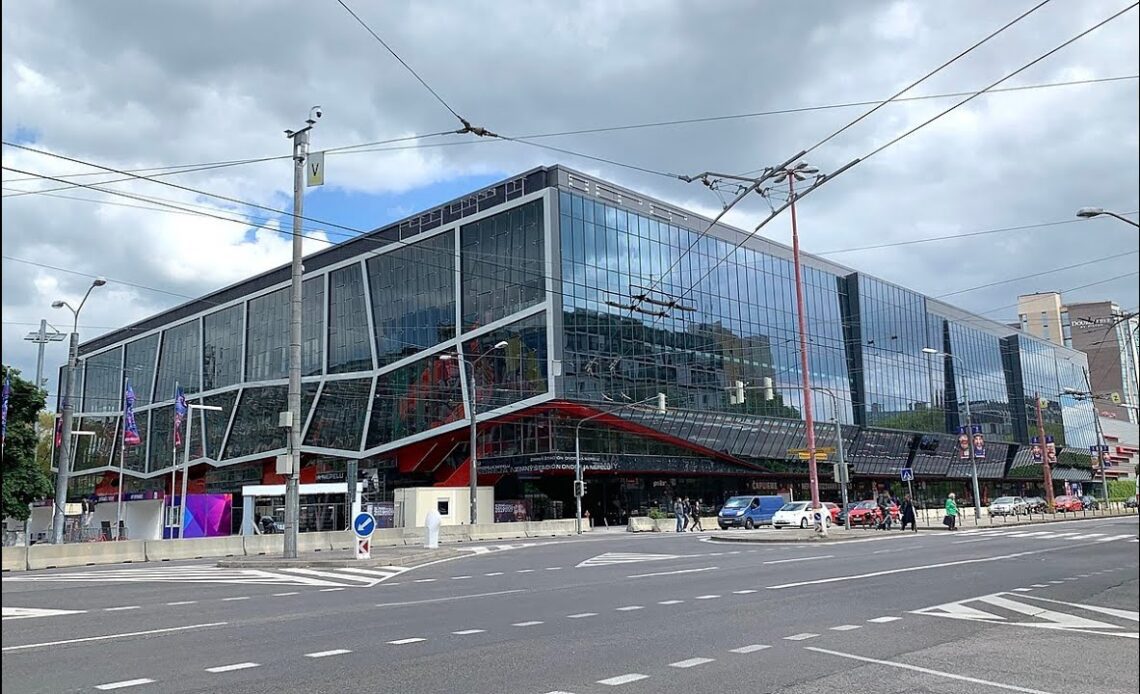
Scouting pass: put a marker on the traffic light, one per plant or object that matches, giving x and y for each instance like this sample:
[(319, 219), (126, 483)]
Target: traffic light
[(579, 488)]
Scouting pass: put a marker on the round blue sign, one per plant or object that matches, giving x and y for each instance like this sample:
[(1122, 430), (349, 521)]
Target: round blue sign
[(364, 524)]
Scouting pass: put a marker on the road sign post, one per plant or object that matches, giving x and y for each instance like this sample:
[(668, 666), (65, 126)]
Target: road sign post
[(363, 524), (907, 475)]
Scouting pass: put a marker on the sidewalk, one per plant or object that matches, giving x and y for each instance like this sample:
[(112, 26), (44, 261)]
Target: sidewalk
[(405, 557)]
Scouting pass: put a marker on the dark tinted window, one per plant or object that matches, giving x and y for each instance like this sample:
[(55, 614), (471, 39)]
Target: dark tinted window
[(349, 348)]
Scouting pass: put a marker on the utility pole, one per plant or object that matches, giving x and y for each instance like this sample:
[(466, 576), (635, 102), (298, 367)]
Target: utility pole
[(973, 458), (41, 337), (1046, 468), (800, 172), (293, 481)]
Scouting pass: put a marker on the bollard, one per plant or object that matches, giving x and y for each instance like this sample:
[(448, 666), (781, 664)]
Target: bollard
[(431, 529)]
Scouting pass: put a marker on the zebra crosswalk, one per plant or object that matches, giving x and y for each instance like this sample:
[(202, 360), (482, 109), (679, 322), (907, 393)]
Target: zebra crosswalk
[(324, 577), (610, 558), (979, 535)]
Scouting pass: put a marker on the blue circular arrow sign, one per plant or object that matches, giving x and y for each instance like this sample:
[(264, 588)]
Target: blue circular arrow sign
[(364, 524)]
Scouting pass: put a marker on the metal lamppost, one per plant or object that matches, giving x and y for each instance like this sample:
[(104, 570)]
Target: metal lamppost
[(969, 428), (186, 458), (65, 443), (579, 486), (1090, 212), (464, 364), (799, 172)]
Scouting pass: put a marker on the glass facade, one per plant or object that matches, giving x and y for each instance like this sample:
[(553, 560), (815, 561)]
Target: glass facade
[(643, 302), (413, 297)]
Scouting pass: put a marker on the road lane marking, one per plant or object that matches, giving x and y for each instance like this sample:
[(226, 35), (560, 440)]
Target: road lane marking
[(459, 578), (494, 573), (468, 632), (581, 615), (884, 620), (167, 630), (1124, 614), (623, 679), (707, 597), (241, 597), (123, 684), (531, 623), (122, 609), (630, 608), (789, 561), (424, 580), (743, 592), (325, 654), (449, 598), (331, 590), (847, 627), (404, 642), (801, 637), (752, 648), (691, 662), (1022, 590), (1114, 537), (670, 602), (554, 568), (1039, 585), (231, 668), (29, 612), (674, 573), (281, 595), (907, 569), (928, 671), (525, 571), (195, 602)]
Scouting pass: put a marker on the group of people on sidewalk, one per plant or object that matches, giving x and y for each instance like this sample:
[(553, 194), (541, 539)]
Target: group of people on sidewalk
[(907, 513), (688, 514)]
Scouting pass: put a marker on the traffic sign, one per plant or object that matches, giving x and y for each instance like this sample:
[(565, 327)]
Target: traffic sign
[(364, 524), (363, 548), (907, 474)]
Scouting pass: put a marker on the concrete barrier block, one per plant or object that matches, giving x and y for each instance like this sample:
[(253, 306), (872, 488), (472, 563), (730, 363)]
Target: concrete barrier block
[(383, 537), (263, 544), (641, 524), (86, 554), (449, 534), (15, 558), (194, 548), (314, 542)]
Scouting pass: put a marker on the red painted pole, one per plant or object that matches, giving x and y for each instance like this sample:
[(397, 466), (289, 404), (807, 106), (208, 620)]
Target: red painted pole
[(809, 418)]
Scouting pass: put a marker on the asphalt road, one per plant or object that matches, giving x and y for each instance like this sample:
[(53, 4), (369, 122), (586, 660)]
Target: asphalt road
[(1036, 609)]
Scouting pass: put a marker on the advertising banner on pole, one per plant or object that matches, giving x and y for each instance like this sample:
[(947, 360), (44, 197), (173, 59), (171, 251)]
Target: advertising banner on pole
[(1038, 455), (978, 439)]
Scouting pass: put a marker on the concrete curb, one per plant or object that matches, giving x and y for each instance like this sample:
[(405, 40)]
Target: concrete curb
[(407, 561)]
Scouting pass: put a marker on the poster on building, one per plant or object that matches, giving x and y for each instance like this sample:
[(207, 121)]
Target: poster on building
[(1038, 455), (963, 444), (1050, 450), (978, 440), (512, 510)]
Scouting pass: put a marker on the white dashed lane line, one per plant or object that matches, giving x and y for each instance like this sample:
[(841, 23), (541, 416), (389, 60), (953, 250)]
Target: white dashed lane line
[(123, 684), (751, 648), (691, 662), (846, 627), (404, 642), (525, 571), (326, 654), (630, 608), (670, 602), (581, 615), (527, 624), (425, 580), (123, 608), (231, 668), (623, 679), (707, 597), (801, 637), (282, 595), (240, 597), (468, 632), (459, 578), (182, 602), (883, 620)]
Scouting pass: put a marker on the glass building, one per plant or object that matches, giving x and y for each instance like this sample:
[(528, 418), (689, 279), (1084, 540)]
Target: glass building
[(604, 298)]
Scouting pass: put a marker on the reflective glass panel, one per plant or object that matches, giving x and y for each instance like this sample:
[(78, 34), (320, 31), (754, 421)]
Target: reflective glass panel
[(503, 261), (420, 396), (511, 373), (99, 450), (139, 367), (254, 428), (338, 421), (179, 361), (103, 383), (267, 332), (349, 342), (221, 351)]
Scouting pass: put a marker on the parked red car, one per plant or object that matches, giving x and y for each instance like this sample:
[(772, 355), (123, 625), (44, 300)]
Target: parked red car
[(834, 508), (867, 512), (1068, 503)]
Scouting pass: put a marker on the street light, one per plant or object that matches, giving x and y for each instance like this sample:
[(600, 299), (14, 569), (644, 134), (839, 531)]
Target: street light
[(969, 428), (474, 482), (186, 459), (1090, 212), (63, 473), (578, 489)]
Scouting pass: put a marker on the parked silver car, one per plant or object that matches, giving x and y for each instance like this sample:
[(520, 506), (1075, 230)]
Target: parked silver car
[(1008, 506)]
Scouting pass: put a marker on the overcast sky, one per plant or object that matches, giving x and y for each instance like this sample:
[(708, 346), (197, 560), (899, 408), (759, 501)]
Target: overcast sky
[(133, 84)]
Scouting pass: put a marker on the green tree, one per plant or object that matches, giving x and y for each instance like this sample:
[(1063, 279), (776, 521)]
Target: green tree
[(24, 480)]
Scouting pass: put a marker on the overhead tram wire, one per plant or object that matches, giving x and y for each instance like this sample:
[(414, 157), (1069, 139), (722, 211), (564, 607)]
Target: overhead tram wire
[(1114, 256), (754, 185)]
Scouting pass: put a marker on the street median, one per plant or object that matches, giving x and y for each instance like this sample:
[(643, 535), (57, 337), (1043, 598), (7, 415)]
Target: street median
[(43, 556)]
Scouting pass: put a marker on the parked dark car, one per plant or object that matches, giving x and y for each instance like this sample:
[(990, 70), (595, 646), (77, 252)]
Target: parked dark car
[(1090, 502), (1131, 503), (1035, 504)]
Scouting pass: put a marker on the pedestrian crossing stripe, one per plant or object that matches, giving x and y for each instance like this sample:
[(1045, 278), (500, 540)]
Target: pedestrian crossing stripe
[(333, 577), (1002, 608), (487, 549), (1046, 535), (610, 558)]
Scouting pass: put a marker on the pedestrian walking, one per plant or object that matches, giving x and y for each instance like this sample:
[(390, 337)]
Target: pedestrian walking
[(951, 519), (908, 515), (695, 515), (884, 503), (679, 512)]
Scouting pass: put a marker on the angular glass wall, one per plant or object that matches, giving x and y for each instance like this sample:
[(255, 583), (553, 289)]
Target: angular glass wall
[(136, 455), (700, 320), (413, 297), (139, 367), (899, 379), (513, 373), (338, 421), (161, 439), (179, 361), (221, 351), (103, 384), (1039, 376), (99, 449), (349, 339), (978, 372), (1077, 414), (267, 332), (503, 264), (254, 428), (414, 398), (216, 422)]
